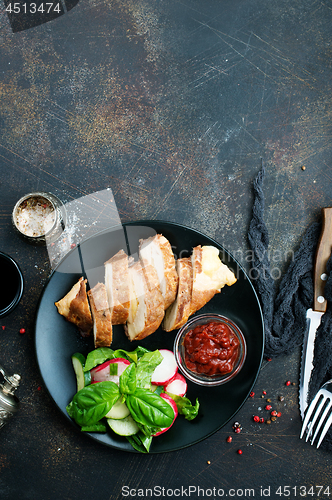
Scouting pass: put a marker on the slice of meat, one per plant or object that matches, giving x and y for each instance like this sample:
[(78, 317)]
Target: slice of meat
[(117, 286), (158, 252), (146, 310), (74, 306), (178, 312), (210, 275), (102, 324)]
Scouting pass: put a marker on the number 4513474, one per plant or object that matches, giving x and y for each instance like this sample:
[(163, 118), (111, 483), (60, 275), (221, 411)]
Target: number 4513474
[(33, 8), (304, 491)]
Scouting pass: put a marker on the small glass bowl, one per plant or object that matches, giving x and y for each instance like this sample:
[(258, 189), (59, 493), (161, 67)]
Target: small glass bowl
[(201, 378), (12, 284), (28, 217)]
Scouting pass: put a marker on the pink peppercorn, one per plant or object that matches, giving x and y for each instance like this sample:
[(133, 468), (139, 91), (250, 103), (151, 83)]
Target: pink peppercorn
[(252, 394), (22, 331), (239, 452), (268, 407), (256, 418), (288, 382), (229, 439)]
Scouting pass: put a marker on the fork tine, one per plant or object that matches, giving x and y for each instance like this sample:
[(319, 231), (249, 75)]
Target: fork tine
[(309, 412), (321, 420), (315, 416), (324, 431)]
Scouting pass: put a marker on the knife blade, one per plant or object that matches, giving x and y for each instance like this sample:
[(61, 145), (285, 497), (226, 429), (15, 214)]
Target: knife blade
[(314, 314)]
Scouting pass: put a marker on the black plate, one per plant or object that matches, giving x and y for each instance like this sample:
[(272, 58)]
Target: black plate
[(56, 339)]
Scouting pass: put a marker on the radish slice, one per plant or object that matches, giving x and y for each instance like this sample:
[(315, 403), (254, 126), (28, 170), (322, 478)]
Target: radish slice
[(102, 372), (166, 370), (177, 385), (170, 401)]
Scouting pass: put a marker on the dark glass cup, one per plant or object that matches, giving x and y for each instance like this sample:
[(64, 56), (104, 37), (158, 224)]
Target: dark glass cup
[(11, 289)]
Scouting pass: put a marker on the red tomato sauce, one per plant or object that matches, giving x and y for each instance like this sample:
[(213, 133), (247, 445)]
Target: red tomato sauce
[(211, 349)]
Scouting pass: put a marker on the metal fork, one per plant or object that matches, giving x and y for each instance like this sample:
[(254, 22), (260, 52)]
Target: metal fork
[(318, 415)]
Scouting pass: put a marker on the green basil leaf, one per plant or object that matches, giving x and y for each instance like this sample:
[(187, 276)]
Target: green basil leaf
[(127, 381), (102, 354), (99, 427), (140, 442), (97, 357), (150, 409), (91, 403), (147, 430), (113, 368), (185, 407), (146, 441), (145, 368), (137, 443)]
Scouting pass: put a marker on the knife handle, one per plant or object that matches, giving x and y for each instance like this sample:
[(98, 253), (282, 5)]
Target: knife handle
[(323, 254)]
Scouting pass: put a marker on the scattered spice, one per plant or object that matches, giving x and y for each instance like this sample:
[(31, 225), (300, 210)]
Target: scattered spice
[(268, 359), (261, 420), (273, 419), (252, 394), (273, 413), (264, 392), (229, 439), (288, 382), (269, 400), (281, 398), (239, 452), (256, 418), (268, 421), (3, 327), (303, 167), (208, 462), (268, 407), (22, 331), (237, 430), (279, 414)]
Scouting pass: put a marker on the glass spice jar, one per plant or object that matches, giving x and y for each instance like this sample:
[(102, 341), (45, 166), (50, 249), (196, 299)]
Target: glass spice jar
[(39, 217)]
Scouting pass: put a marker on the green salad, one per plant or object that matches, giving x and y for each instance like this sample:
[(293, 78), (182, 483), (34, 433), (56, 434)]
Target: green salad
[(138, 394)]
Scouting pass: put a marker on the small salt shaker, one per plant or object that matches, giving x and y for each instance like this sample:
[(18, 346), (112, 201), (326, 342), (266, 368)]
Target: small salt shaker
[(9, 403)]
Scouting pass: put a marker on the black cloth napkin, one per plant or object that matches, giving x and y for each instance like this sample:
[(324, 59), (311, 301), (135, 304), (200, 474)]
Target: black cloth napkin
[(284, 306)]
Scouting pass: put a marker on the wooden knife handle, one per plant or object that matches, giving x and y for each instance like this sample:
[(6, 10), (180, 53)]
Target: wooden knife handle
[(323, 254)]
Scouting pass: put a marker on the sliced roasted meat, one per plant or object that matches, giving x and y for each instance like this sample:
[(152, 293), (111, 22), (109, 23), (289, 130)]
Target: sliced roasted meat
[(74, 306), (102, 324), (158, 252), (146, 310), (210, 275), (178, 313), (117, 286)]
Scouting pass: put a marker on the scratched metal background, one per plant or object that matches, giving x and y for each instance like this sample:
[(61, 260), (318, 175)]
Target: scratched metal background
[(172, 105)]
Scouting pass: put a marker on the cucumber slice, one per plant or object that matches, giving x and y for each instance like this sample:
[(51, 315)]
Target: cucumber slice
[(124, 427), (82, 378), (118, 411)]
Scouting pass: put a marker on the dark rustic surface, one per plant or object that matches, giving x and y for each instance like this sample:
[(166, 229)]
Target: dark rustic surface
[(172, 105)]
